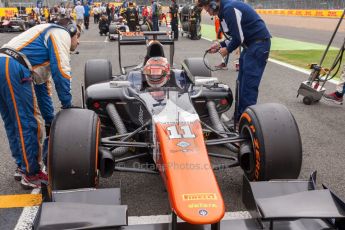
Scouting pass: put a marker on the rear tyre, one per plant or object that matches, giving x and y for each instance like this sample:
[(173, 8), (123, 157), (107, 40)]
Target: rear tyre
[(73, 150), (97, 71), (276, 147), (112, 29), (195, 67)]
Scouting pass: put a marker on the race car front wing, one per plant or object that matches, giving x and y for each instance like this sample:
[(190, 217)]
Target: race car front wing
[(288, 205)]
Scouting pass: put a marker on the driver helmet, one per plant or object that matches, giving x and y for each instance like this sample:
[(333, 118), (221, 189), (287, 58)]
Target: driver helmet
[(157, 71)]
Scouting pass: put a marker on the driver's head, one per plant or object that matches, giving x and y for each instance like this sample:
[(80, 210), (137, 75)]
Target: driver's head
[(157, 72)]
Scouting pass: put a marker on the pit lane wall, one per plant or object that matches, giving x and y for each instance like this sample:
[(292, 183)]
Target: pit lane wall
[(303, 13)]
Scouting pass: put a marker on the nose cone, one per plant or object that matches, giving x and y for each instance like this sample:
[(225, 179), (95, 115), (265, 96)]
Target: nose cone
[(193, 190)]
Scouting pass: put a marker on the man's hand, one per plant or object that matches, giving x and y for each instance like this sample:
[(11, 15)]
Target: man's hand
[(214, 48), (223, 51)]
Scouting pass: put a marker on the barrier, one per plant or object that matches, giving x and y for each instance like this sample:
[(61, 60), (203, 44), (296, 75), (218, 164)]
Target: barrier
[(303, 13), (10, 12)]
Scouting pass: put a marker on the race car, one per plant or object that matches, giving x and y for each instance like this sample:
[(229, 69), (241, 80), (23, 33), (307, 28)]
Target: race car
[(13, 25), (171, 115), (191, 21), (116, 27)]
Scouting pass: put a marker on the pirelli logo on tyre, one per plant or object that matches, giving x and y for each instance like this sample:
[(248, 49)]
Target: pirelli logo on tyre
[(256, 146), (199, 196)]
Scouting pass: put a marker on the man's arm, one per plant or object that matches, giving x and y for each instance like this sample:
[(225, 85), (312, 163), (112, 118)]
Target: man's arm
[(232, 18), (59, 43), (45, 102)]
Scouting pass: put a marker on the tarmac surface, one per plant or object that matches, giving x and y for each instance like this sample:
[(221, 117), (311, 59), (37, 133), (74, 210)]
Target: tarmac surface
[(321, 127)]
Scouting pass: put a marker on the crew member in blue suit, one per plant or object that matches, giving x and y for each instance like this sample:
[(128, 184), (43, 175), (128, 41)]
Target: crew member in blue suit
[(247, 29), (27, 63)]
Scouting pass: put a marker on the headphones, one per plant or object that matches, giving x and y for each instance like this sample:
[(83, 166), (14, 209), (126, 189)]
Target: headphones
[(72, 29), (211, 3)]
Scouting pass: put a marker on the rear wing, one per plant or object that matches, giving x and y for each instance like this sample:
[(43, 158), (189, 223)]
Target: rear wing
[(142, 38), (274, 201)]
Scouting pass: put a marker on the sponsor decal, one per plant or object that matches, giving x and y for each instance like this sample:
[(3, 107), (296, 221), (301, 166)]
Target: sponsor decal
[(184, 132), (203, 212), (132, 34), (186, 150), (11, 53), (181, 150), (175, 122), (256, 146), (304, 13), (199, 196), (202, 205), (257, 159), (183, 144)]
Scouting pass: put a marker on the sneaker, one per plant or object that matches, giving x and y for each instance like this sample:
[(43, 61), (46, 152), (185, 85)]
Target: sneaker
[(333, 97), (18, 174), (221, 66), (34, 181)]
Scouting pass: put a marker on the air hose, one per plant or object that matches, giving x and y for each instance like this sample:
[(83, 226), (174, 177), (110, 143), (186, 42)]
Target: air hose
[(217, 125), (120, 127)]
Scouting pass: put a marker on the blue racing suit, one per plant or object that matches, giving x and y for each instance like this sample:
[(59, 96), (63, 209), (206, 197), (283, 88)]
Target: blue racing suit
[(246, 28), (47, 50)]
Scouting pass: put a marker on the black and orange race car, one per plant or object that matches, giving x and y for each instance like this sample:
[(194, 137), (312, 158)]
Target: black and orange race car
[(124, 119), (13, 25)]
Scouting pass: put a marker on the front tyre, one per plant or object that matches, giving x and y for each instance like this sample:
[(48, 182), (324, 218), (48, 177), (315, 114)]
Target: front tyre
[(73, 150), (276, 147)]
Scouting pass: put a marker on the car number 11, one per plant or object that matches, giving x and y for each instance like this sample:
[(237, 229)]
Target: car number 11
[(174, 133)]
